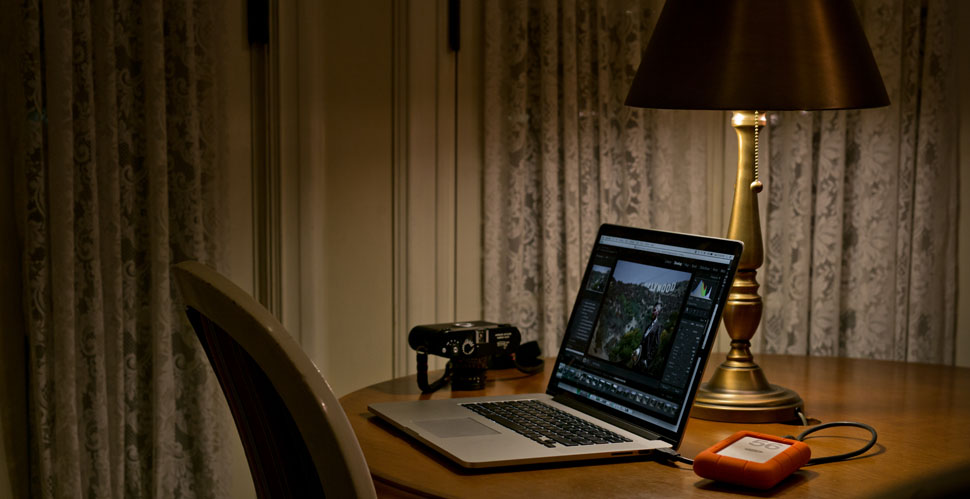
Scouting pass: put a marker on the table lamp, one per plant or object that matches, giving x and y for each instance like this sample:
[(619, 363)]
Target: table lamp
[(752, 56)]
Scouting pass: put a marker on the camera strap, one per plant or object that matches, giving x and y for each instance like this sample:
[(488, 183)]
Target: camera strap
[(422, 359)]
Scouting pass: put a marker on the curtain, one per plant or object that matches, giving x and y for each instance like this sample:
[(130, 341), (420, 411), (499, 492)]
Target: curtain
[(119, 178), (563, 154), (859, 208), (862, 208)]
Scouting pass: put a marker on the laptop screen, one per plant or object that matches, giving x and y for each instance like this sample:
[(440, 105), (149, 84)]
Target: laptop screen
[(643, 324)]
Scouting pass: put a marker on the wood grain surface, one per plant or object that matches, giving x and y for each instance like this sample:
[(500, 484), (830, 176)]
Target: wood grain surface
[(922, 414)]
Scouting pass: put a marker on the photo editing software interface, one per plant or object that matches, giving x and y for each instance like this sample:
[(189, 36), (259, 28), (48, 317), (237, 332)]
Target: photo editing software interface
[(644, 315)]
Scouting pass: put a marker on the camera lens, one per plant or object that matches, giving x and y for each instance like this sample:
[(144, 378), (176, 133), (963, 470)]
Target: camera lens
[(469, 373)]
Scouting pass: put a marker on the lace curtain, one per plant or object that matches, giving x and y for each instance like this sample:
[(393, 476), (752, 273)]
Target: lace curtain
[(860, 206), (119, 178), (862, 211)]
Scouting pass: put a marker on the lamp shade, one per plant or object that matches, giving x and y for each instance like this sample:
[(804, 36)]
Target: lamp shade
[(758, 55)]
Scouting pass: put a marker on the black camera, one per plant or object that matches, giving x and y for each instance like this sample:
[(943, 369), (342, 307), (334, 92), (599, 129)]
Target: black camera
[(457, 340), (469, 345)]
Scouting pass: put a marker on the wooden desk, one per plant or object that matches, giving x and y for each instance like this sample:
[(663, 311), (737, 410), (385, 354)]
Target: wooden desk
[(922, 414)]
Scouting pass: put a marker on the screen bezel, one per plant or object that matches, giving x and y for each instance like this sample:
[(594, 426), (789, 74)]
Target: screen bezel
[(688, 241)]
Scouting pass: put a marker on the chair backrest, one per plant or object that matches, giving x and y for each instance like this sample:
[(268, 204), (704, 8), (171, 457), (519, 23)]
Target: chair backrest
[(297, 438)]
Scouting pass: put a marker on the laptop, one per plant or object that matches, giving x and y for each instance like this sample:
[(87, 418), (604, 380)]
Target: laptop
[(630, 362)]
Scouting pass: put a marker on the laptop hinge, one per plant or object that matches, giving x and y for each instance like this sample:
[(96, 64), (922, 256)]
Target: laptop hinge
[(609, 418)]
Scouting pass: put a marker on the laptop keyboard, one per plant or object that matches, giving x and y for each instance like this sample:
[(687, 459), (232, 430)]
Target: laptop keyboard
[(545, 424)]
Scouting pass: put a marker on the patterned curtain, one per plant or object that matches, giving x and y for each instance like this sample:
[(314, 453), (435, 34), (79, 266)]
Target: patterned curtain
[(119, 179), (860, 207), (563, 154)]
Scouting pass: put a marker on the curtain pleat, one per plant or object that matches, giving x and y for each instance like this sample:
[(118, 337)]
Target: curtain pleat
[(826, 244)]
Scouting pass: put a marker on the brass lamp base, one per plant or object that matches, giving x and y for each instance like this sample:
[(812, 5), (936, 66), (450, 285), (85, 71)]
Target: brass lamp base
[(739, 392)]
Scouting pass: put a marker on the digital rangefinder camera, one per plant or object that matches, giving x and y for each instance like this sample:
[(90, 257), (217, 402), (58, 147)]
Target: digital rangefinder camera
[(457, 340)]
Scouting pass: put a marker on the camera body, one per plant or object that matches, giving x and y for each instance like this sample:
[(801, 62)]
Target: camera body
[(460, 340), (469, 345)]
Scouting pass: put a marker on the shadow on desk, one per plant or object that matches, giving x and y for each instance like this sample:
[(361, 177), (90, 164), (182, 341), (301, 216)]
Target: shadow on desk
[(797, 478), (949, 482)]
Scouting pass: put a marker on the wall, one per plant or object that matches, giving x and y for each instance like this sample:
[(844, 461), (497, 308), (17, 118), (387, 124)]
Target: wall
[(437, 167), (239, 253), (343, 167), (335, 112), (382, 182), (432, 163)]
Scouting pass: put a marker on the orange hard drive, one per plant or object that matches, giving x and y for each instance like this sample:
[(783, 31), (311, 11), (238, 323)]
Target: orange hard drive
[(752, 459)]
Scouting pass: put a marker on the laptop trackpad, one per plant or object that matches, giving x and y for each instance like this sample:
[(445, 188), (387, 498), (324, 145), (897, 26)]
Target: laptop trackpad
[(455, 427)]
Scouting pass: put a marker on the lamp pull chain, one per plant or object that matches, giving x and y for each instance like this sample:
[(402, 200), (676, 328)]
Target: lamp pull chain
[(756, 185)]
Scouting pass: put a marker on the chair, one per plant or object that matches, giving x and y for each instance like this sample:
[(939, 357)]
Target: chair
[(297, 438)]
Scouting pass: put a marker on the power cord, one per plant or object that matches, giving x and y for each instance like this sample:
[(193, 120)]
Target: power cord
[(673, 455), (838, 457)]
